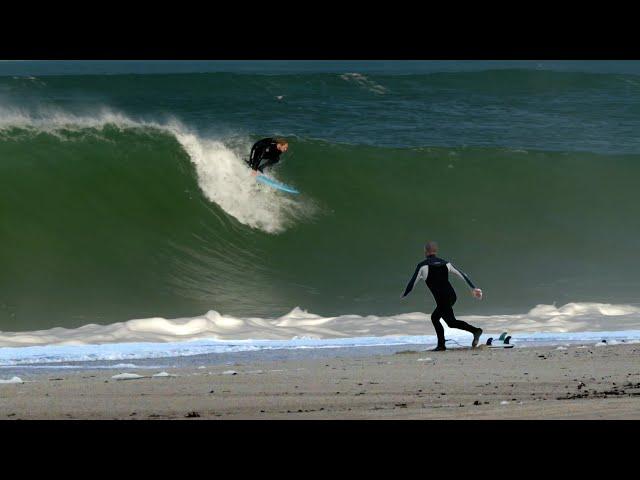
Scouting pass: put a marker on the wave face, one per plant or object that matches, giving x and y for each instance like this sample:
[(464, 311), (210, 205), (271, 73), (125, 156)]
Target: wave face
[(126, 196)]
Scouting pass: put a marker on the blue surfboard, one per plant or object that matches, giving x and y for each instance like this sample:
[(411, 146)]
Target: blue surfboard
[(275, 184)]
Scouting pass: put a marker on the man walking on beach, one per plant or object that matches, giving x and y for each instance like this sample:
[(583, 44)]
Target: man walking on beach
[(435, 272), (267, 150)]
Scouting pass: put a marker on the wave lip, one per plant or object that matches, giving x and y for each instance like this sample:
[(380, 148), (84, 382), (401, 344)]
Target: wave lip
[(222, 174)]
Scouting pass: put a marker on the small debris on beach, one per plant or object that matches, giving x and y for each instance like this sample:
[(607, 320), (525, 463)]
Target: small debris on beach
[(12, 380), (127, 376)]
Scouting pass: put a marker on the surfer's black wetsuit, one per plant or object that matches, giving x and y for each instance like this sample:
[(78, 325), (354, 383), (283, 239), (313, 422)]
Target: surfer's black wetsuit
[(265, 149), (435, 272)]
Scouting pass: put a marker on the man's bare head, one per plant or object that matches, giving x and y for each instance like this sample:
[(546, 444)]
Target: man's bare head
[(282, 144), (430, 248)]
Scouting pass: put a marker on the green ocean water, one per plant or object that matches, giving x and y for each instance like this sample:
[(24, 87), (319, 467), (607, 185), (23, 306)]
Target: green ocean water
[(123, 196)]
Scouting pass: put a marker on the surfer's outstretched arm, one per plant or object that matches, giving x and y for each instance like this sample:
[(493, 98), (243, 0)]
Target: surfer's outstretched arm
[(421, 272)]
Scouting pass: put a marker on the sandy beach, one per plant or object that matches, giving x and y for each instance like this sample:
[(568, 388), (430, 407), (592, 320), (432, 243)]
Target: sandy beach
[(572, 382)]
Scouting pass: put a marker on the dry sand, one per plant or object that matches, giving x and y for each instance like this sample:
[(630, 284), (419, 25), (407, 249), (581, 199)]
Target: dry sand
[(521, 383)]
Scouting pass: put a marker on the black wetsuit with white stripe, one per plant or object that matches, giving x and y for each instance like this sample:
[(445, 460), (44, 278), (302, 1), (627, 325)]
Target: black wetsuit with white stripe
[(435, 272)]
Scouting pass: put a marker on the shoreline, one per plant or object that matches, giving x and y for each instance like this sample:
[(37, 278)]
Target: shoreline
[(173, 351), (403, 382)]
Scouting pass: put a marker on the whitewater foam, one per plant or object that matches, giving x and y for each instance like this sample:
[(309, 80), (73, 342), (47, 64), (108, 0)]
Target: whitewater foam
[(216, 333), (225, 180), (222, 174), (300, 325)]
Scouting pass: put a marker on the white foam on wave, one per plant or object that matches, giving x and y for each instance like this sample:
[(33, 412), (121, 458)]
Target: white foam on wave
[(572, 317), (300, 325), (217, 333), (222, 174), (226, 180)]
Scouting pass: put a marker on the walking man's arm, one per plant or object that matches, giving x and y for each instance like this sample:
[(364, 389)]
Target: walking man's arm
[(475, 290), (420, 273)]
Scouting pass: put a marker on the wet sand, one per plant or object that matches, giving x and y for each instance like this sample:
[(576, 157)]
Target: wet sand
[(520, 383)]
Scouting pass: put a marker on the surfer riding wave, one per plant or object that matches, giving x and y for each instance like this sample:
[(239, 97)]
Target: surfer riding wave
[(265, 153)]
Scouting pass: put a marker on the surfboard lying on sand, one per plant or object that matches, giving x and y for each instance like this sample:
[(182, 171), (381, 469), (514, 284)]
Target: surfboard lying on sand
[(500, 342), (262, 178)]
